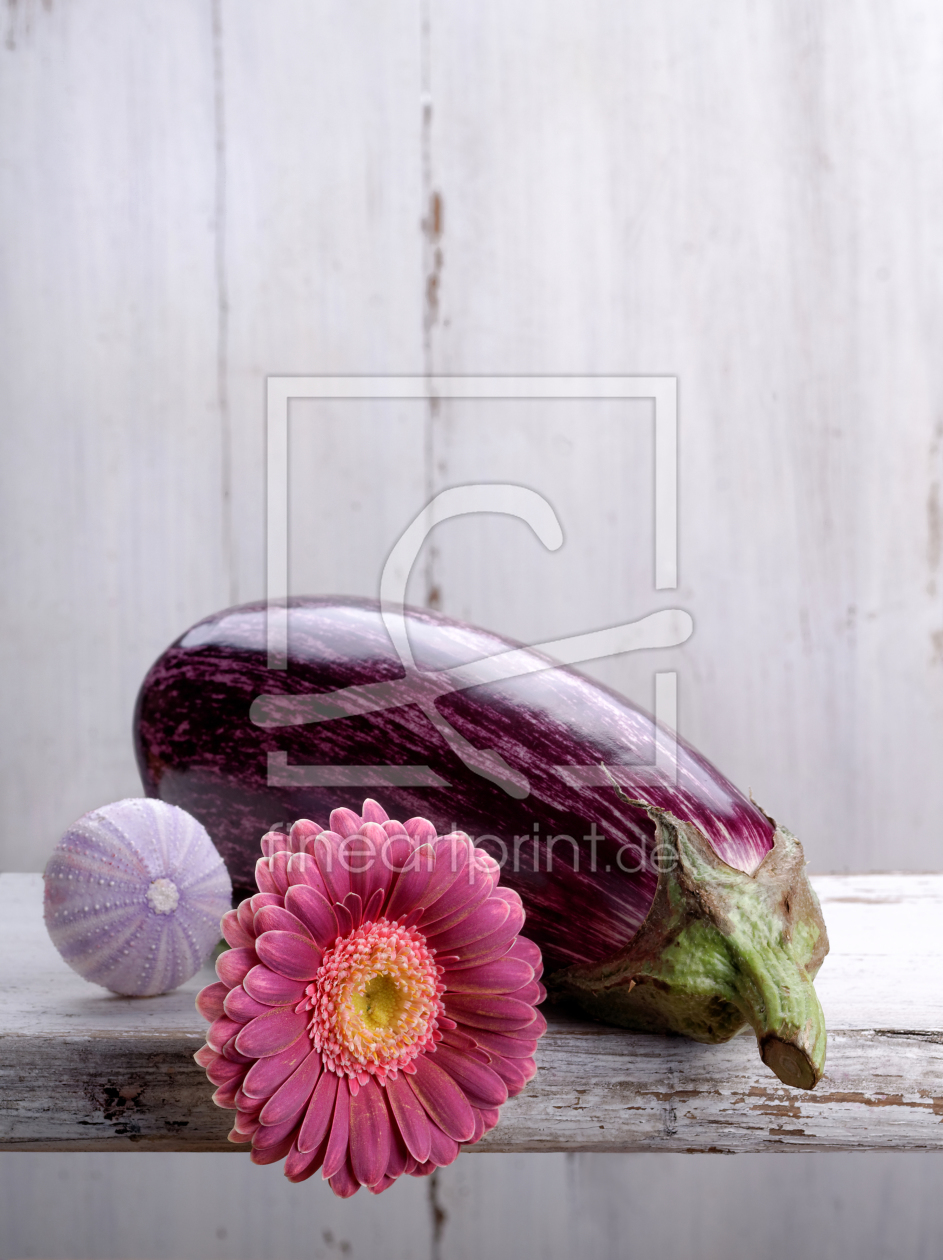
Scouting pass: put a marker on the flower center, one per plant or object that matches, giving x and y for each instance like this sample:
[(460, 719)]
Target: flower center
[(375, 1001), (380, 1003)]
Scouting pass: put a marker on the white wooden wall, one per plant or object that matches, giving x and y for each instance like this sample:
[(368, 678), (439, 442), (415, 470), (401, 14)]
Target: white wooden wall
[(746, 196)]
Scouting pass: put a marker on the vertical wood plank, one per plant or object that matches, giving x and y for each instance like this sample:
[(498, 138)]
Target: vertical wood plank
[(323, 239), (109, 449), (742, 199)]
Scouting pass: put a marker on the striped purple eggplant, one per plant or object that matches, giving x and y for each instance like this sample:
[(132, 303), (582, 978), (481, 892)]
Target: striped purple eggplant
[(624, 846)]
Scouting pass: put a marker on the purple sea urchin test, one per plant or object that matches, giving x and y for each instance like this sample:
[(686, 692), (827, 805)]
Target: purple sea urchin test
[(134, 894), (553, 774)]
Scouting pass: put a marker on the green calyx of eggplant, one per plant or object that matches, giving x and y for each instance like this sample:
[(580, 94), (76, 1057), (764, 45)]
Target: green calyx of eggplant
[(719, 949)]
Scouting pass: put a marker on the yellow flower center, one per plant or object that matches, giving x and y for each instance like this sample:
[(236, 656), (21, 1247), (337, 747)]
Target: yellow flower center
[(381, 1002), (375, 1001)]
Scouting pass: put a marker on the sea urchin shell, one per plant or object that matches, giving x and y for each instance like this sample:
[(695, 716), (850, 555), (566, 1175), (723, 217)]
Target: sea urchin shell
[(134, 895)]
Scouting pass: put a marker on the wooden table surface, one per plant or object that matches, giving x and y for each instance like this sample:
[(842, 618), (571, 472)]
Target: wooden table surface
[(84, 1070)]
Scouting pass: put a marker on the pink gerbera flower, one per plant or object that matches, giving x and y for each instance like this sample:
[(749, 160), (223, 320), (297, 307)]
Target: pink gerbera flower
[(377, 1005)]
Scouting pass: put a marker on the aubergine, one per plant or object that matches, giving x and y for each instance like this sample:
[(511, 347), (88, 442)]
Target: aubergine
[(662, 898)]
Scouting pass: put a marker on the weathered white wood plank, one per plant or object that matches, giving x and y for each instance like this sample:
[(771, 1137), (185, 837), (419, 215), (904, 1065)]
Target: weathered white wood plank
[(84, 1070), (111, 473)]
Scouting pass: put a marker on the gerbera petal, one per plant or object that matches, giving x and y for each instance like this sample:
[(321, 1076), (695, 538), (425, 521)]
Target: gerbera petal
[(263, 876), (246, 915), (466, 1043), (240, 1007), (271, 988), (335, 1157), (507, 1045), (456, 903), (223, 1070), (444, 1148), (488, 948), (369, 1133), (260, 899), (303, 869), (383, 1184), (395, 854), (354, 907), (374, 812), (473, 1078), (475, 1021), (363, 852), (250, 1106), (514, 1072), (527, 951), (538, 1025), (411, 883), (301, 833), (343, 1182), (345, 924), (484, 921), (206, 1055), (420, 829), (272, 841), (443, 1100), (533, 994), (333, 872), (269, 1135), (270, 1154), (314, 911), (220, 1031), (300, 1166), (230, 1051), (451, 859), (470, 1008), (277, 919), (317, 1122), (225, 1096), (233, 931), (278, 864), (371, 911), (394, 828), (483, 859), (270, 1033), (344, 822), (400, 1157), (490, 1118), (411, 1118), (506, 975), (290, 1098), (296, 957), (209, 1001), (234, 964), (245, 1125), (479, 1127), (266, 1075)]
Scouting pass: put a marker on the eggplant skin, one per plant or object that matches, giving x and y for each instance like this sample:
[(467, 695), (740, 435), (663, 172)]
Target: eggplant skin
[(583, 860)]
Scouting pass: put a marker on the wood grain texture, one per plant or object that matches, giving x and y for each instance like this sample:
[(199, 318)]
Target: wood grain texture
[(84, 1070), (111, 477)]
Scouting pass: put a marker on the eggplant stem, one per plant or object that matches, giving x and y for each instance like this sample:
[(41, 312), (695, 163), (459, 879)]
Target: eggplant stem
[(720, 948)]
